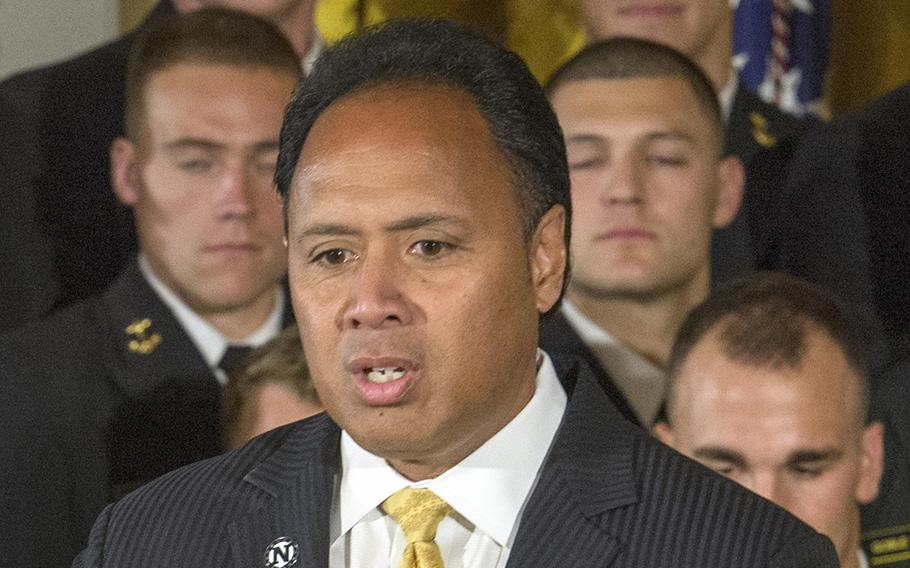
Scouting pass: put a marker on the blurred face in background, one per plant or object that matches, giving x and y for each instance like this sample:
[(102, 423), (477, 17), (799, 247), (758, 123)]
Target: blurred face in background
[(648, 185), (199, 180), (689, 26)]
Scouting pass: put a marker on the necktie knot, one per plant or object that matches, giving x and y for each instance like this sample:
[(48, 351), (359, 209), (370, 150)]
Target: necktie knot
[(234, 358), (418, 512)]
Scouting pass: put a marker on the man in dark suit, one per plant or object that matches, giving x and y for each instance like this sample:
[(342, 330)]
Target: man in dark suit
[(770, 386), (643, 136), (68, 235), (427, 204), (123, 387)]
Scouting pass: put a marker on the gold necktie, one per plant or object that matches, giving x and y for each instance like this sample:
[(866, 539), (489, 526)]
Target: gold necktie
[(418, 512)]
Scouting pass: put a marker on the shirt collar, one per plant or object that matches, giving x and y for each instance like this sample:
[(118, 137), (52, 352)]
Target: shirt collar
[(727, 94), (590, 332), (488, 488), (316, 49), (208, 340)]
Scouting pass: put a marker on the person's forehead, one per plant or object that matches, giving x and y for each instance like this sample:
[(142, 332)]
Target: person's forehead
[(434, 122), (210, 96), (589, 102), (817, 395), (183, 74), (431, 148)]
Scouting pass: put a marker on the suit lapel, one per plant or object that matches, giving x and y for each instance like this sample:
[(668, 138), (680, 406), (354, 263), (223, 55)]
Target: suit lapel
[(298, 484), (589, 472)]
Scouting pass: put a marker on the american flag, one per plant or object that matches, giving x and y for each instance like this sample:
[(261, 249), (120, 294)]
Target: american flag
[(781, 50)]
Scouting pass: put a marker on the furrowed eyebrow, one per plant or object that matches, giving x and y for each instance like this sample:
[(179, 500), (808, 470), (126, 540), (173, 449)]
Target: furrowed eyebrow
[(720, 454)]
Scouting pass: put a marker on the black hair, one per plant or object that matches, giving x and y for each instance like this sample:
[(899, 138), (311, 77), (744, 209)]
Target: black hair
[(632, 58), (212, 36), (438, 52), (763, 321)]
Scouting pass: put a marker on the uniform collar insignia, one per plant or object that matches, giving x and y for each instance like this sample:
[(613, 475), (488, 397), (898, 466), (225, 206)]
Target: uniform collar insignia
[(142, 338), (760, 130)]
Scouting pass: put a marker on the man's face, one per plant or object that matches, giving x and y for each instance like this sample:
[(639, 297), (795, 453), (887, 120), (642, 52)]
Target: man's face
[(794, 436), (648, 185), (199, 180), (689, 26), (415, 293)]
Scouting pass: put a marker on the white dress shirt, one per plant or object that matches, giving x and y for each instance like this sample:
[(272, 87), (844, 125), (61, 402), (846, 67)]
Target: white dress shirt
[(208, 340), (643, 383), (487, 490)]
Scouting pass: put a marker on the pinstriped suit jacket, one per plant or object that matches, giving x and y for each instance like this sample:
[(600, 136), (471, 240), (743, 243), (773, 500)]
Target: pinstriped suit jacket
[(608, 495)]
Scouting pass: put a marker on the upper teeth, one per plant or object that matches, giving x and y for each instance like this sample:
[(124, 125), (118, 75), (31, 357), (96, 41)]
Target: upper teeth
[(384, 374)]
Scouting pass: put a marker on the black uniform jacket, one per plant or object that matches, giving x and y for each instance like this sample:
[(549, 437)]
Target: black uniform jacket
[(65, 236), (608, 495), (97, 399), (885, 522)]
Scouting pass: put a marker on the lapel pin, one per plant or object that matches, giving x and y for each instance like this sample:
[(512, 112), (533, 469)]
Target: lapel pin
[(282, 553)]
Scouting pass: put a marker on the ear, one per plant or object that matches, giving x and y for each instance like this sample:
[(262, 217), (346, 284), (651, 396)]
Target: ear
[(548, 257), (663, 432), (731, 178), (125, 171), (873, 463)]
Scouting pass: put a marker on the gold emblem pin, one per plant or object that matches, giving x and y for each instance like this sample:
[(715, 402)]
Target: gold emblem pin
[(143, 340), (760, 131)]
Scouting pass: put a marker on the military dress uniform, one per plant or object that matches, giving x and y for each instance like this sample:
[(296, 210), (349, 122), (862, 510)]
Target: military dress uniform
[(97, 399), (66, 237), (885, 522)]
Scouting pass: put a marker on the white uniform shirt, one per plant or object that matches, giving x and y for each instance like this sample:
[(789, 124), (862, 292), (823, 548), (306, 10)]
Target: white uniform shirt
[(208, 340)]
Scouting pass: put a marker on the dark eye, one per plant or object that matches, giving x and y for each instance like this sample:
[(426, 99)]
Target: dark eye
[(335, 257), (430, 248)]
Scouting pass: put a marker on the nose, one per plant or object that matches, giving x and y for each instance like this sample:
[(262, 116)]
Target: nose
[(235, 195), (768, 486), (377, 296), (624, 183)]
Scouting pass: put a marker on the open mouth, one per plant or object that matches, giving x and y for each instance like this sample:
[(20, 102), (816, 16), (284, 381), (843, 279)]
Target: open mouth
[(382, 375)]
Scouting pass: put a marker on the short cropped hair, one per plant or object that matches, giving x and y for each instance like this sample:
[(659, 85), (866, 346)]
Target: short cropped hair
[(280, 361), (212, 36), (634, 58), (763, 321), (420, 52)]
